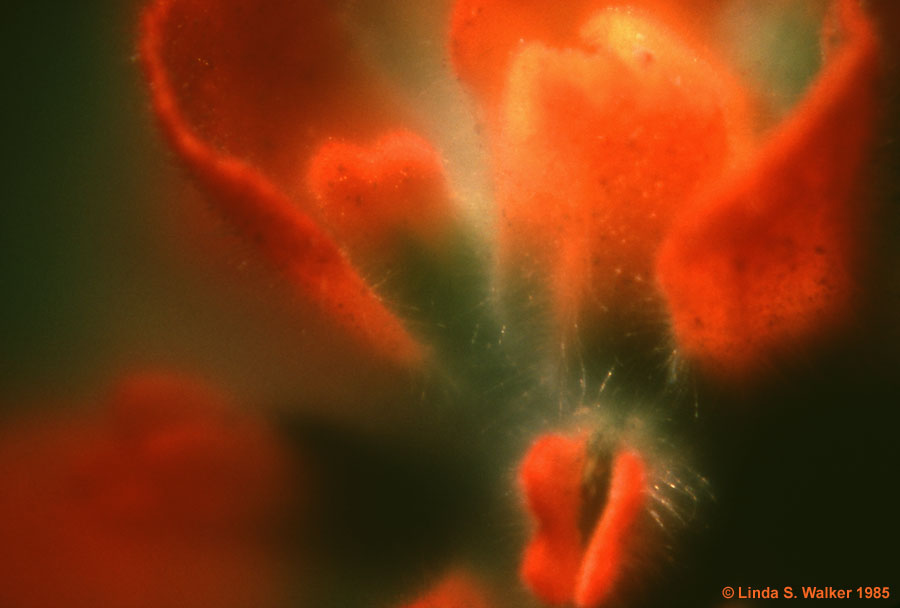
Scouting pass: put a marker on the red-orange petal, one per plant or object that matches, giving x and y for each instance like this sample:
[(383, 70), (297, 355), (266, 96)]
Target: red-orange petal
[(771, 258), (215, 71), (211, 465), (606, 551), (377, 197), (551, 478), (599, 151)]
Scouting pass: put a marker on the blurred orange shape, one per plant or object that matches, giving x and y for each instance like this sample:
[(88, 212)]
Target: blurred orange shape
[(169, 498), (456, 590)]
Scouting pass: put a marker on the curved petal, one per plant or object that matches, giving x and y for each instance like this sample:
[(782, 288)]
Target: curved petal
[(551, 477), (771, 258), (266, 82)]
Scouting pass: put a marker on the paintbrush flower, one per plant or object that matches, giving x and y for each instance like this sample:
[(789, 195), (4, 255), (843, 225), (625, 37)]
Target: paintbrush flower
[(634, 184)]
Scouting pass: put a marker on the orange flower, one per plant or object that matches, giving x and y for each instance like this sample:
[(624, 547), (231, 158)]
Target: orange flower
[(630, 178)]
